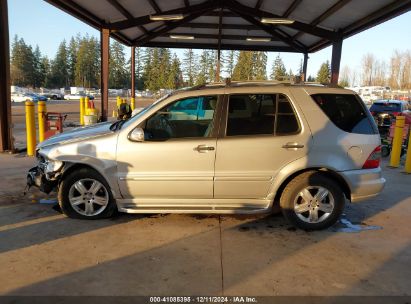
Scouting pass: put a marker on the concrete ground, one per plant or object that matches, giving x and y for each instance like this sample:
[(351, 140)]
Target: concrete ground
[(44, 253)]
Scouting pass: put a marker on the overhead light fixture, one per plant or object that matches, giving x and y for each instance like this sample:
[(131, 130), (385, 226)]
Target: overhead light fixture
[(186, 37), (277, 20), (258, 39), (166, 17)]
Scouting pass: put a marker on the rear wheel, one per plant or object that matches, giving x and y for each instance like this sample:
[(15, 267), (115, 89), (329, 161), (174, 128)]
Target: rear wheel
[(85, 194), (312, 201)]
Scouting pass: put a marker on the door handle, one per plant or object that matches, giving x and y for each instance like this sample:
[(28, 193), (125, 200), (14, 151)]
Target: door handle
[(203, 148), (293, 145)]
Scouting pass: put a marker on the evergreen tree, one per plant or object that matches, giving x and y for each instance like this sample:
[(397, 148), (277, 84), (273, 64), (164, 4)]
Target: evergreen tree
[(301, 68), (22, 63), (190, 67), (152, 82), (45, 70), (243, 69), (324, 74), (140, 52), (310, 79), (229, 60), (72, 59), (59, 68), (118, 72), (87, 69), (278, 72), (202, 76), (212, 65), (38, 76), (175, 77), (147, 58), (260, 66)]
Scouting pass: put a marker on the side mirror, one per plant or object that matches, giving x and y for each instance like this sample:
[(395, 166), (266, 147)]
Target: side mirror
[(136, 135)]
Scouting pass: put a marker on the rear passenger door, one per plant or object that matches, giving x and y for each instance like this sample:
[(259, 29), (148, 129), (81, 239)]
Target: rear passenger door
[(261, 134)]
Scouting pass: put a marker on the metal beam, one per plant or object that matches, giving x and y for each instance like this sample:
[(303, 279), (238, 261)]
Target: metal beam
[(383, 14), (213, 46), (133, 72), (248, 27), (121, 25), (6, 142), (140, 41), (316, 31), (155, 6), (216, 36), (270, 30), (105, 53), (125, 13), (291, 8), (258, 4), (332, 10), (335, 60)]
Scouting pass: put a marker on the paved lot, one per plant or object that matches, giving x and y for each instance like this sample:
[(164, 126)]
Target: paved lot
[(44, 253), (69, 107)]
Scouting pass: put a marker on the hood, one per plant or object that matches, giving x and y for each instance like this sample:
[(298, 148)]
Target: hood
[(78, 134)]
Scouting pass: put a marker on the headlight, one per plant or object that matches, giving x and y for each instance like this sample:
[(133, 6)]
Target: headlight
[(53, 166)]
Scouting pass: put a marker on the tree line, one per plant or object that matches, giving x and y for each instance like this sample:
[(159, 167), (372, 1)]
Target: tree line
[(77, 63)]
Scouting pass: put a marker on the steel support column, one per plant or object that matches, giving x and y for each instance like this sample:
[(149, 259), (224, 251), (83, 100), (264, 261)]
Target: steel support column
[(133, 72), (217, 76), (104, 48), (305, 62), (335, 60), (6, 142)]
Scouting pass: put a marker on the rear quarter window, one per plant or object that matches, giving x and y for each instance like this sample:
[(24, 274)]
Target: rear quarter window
[(347, 112)]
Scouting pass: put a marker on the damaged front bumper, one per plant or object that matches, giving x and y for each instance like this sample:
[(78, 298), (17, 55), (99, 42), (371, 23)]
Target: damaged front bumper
[(39, 177)]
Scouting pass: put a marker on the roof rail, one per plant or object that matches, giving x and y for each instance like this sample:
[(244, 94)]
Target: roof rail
[(292, 80)]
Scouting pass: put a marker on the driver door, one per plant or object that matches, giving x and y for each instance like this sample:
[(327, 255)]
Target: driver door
[(176, 159)]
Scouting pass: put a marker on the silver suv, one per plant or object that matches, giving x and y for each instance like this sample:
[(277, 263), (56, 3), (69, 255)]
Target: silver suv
[(236, 148)]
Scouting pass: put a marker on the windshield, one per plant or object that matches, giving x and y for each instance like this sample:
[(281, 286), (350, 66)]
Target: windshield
[(119, 124)]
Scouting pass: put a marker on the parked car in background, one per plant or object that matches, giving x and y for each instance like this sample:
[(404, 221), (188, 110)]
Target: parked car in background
[(385, 111), (240, 148), (54, 96), (77, 96), (38, 96), (23, 97)]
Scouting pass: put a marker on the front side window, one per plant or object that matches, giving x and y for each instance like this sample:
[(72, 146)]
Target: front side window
[(185, 118), (260, 114)]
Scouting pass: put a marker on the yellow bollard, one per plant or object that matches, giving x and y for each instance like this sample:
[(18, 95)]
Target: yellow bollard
[(30, 128), (87, 103), (82, 111), (397, 142), (132, 103), (41, 114), (119, 101), (408, 157)]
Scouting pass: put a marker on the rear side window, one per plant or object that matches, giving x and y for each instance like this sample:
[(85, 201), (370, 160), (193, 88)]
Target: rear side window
[(347, 112), (258, 114)]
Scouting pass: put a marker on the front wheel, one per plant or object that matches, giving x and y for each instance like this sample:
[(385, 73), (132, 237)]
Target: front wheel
[(85, 194), (312, 201)]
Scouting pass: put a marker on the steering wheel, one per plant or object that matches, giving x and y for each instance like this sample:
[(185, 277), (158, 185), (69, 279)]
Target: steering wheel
[(166, 125)]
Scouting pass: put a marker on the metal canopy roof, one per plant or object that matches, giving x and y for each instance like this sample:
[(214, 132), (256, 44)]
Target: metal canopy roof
[(226, 24)]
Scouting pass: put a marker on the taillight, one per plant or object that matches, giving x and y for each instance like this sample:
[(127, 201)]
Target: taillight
[(372, 113), (396, 113), (373, 161)]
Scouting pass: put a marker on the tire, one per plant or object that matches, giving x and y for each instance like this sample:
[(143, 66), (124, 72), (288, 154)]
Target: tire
[(309, 194), (78, 199)]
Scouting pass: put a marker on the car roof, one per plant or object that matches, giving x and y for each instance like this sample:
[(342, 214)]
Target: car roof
[(310, 87)]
